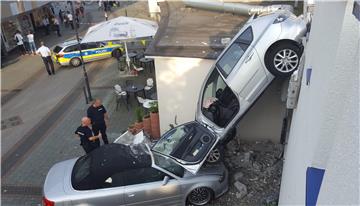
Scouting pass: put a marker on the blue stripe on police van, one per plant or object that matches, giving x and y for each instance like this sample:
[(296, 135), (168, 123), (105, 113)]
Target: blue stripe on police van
[(87, 53)]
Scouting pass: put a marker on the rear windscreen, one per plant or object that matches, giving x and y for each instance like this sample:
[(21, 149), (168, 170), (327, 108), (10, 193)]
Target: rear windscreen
[(57, 49)]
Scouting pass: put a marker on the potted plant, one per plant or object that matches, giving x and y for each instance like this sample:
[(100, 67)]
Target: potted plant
[(154, 118), (147, 124), (139, 119)]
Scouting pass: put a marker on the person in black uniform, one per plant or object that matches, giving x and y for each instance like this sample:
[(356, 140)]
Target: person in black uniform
[(99, 119), (88, 140)]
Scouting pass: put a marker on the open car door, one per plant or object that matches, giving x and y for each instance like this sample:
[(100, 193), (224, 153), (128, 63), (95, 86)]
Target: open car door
[(188, 144)]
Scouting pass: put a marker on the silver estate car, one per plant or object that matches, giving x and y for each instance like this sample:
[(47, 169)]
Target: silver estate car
[(117, 174), (267, 46)]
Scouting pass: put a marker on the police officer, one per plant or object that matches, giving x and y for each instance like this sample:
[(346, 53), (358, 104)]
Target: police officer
[(88, 140), (99, 119)]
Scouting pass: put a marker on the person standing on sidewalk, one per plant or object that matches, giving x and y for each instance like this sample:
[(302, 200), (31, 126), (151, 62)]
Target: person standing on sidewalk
[(88, 140), (57, 26), (106, 16), (19, 42), (45, 54), (32, 45), (46, 25), (70, 19), (99, 119)]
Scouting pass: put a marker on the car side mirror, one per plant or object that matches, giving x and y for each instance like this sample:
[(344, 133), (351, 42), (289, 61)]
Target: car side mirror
[(165, 180)]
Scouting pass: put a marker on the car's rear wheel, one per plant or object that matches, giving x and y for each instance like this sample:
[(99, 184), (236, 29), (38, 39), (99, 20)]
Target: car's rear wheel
[(282, 60), (200, 196), (75, 62), (215, 155)]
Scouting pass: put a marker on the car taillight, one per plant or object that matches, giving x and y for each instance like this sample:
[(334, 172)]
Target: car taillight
[(47, 202)]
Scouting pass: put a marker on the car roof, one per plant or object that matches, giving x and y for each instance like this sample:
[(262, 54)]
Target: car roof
[(119, 157)]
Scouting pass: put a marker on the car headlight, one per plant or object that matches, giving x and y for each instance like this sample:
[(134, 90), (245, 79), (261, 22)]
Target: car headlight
[(280, 18)]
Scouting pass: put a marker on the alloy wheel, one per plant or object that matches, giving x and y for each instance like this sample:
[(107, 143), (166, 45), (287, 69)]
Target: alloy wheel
[(200, 196), (286, 60), (214, 156)]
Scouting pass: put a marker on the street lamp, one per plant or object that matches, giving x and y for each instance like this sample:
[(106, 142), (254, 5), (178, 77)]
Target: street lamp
[(87, 85)]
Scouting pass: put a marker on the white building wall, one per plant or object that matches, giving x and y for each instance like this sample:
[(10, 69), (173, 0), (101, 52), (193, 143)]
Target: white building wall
[(325, 126), (178, 82)]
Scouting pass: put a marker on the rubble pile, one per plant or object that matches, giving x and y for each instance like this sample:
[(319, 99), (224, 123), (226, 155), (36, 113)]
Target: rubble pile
[(255, 173)]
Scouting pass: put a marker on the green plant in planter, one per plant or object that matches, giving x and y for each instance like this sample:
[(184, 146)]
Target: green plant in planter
[(146, 115), (139, 114), (154, 107)]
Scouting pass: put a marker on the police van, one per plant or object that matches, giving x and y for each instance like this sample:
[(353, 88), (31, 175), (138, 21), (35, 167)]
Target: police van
[(68, 53)]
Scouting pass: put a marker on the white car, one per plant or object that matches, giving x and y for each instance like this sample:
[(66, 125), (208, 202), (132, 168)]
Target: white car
[(267, 46)]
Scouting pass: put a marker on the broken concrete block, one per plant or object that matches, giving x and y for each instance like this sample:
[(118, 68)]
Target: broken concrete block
[(242, 190)]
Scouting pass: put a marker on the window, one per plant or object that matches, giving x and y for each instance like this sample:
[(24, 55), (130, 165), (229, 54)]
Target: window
[(234, 52), (57, 49), (168, 165), (71, 48), (92, 46), (139, 176), (219, 103)]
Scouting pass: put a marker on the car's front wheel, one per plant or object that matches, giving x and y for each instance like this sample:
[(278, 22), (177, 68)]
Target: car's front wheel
[(200, 196), (283, 59), (75, 62), (215, 155)]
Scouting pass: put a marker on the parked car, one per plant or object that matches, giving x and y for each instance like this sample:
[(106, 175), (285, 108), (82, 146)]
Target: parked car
[(68, 53), (116, 174), (267, 46)]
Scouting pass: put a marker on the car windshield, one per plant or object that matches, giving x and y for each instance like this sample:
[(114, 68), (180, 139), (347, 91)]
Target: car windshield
[(168, 164), (234, 52), (188, 143), (57, 49), (171, 141)]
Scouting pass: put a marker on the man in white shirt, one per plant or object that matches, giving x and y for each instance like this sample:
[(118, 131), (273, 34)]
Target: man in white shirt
[(45, 54), (71, 20), (19, 42), (32, 45)]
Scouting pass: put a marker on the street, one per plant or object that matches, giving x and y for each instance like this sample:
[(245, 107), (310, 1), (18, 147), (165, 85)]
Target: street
[(48, 109)]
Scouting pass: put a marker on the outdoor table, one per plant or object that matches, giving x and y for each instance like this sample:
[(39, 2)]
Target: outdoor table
[(132, 56), (134, 88), (147, 63)]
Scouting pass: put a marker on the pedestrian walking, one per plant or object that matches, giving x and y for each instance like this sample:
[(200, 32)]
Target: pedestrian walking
[(19, 42), (45, 54), (57, 26), (88, 140), (99, 119), (46, 25), (61, 16), (32, 44), (70, 19), (106, 16)]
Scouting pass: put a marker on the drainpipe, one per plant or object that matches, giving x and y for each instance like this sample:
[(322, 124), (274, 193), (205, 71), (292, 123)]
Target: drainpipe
[(236, 8)]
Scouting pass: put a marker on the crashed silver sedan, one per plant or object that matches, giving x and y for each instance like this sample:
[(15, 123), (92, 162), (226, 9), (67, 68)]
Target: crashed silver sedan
[(118, 174)]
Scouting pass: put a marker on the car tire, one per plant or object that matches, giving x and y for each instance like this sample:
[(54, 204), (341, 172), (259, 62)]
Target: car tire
[(282, 60), (116, 53), (216, 155), (200, 196), (75, 62)]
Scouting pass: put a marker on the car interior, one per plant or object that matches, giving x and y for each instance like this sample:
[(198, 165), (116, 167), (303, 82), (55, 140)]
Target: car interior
[(224, 106)]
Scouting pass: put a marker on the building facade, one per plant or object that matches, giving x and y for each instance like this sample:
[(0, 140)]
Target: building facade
[(321, 165), (23, 16)]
